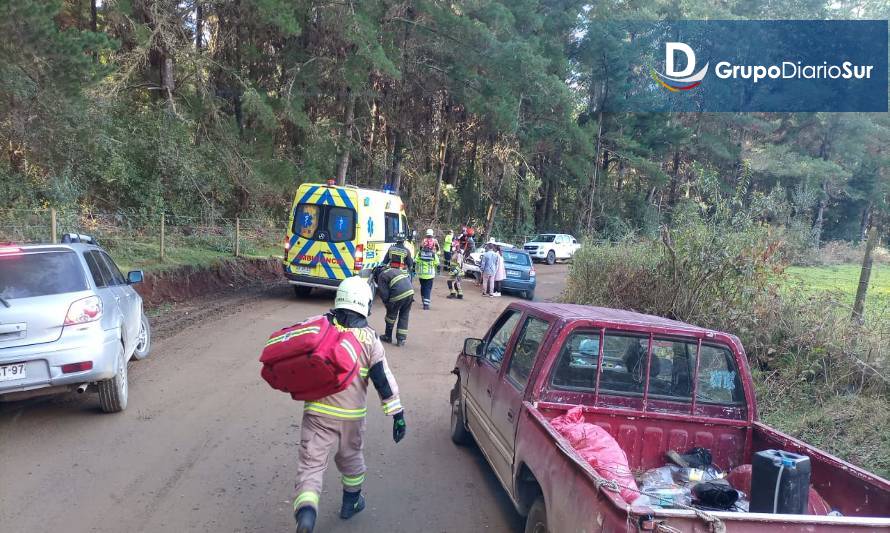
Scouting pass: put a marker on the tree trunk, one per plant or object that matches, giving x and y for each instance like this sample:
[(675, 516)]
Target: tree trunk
[(94, 17), (596, 157), (199, 26), (864, 277), (346, 142), (496, 198), (168, 82), (443, 159), (395, 180), (865, 221), (518, 221), (548, 205), (819, 218), (675, 180)]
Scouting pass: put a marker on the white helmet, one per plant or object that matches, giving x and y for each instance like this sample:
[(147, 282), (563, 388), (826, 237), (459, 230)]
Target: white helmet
[(353, 294), (429, 232)]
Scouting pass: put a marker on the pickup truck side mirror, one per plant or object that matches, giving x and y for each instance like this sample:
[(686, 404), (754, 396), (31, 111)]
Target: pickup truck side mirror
[(472, 347)]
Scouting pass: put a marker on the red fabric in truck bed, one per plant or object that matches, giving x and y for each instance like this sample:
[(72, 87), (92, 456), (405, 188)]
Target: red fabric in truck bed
[(599, 449)]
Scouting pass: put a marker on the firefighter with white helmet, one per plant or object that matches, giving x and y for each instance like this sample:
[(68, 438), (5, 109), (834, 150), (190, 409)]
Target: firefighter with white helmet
[(337, 422)]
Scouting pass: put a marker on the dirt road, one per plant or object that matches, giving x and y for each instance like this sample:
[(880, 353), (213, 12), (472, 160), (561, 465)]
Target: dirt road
[(206, 445)]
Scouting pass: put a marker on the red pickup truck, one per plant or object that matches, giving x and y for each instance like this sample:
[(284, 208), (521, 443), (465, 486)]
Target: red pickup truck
[(688, 387)]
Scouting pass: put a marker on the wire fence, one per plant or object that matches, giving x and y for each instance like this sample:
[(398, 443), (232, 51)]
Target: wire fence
[(143, 237)]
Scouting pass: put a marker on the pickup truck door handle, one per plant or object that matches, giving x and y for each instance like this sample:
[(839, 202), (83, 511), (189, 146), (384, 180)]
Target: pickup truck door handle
[(510, 415)]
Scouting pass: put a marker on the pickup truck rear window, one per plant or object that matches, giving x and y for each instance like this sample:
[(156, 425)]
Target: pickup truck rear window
[(671, 369)]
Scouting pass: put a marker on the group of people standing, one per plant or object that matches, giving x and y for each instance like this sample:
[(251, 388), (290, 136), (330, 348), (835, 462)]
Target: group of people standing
[(395, 275), (494, 271)]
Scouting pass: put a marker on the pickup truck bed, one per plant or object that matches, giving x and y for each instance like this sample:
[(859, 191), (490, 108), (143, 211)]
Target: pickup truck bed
[(539, 360), (850, 490)]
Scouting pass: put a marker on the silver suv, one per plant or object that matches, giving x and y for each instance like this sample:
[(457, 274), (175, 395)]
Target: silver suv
[(68, 319)]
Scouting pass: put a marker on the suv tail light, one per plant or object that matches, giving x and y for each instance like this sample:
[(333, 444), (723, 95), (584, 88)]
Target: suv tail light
[(85, 310), (532, 272), (359, 258)]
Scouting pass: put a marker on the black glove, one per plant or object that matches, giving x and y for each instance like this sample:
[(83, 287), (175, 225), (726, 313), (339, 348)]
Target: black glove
[(398, 426)]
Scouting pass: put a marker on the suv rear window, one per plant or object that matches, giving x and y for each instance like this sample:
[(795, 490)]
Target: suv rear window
[(31, 274)]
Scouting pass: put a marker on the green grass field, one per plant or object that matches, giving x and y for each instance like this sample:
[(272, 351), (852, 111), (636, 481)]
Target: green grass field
[(844, 279)]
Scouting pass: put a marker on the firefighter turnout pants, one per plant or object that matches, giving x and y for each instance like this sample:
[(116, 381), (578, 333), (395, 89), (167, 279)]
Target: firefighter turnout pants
[(426, 291), (397, 315), (318, 437), (454, 287)]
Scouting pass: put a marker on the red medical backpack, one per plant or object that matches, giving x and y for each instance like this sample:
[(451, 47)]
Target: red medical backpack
[(311, 360)]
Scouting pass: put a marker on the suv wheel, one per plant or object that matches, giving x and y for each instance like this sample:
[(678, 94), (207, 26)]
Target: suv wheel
[(113, 392), (143, 341), (551, 257)]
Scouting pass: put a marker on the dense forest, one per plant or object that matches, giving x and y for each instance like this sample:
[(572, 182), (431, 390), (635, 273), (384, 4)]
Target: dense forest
[(495, 113)]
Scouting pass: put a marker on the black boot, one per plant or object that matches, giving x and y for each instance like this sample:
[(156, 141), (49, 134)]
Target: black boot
[(305, 519), (400, 342), (353, 503), (386, 338)]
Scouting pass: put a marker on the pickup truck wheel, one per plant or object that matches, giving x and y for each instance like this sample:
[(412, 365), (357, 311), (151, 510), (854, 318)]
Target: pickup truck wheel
[(113, 392), (143, 341), (459, 433), (551, 257), (301, 291), (536, 522)]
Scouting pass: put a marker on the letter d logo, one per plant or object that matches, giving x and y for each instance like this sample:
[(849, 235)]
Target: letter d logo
[(679, 80), (670, 53)]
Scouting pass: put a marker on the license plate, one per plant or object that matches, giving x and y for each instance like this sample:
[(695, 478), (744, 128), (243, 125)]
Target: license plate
[(12, 372), (304, 270), (514, 274)]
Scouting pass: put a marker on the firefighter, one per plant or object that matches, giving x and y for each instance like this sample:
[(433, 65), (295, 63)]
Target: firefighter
[(337, 422), (399, 253), (456, 272), (394, 286), (427, 265)]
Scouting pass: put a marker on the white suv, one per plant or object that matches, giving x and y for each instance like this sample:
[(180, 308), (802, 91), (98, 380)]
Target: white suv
[(551, 247), (68, 319)]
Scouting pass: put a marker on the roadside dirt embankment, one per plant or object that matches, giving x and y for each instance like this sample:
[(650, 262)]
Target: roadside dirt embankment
[(189, 282)]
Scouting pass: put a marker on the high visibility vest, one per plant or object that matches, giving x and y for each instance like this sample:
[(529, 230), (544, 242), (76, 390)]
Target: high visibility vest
[(426, 263), (449, 238)]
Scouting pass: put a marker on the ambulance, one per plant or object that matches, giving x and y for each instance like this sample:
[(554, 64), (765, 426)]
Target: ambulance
[(336, 231)]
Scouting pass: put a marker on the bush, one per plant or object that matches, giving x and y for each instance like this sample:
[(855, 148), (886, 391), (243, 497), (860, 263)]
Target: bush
[(727, 273)]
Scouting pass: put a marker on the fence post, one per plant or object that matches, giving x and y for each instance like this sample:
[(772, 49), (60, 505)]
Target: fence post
[(52, 223), (237, 237), (162, 238)]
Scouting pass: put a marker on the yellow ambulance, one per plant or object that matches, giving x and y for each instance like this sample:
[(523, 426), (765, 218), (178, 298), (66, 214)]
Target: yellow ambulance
[(336, 231)]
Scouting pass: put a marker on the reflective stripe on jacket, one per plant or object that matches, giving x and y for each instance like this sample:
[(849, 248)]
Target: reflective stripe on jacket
[(394, 285), (351, 403)]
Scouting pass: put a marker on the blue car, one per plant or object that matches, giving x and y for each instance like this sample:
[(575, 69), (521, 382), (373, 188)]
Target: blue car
[(521, 275)]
